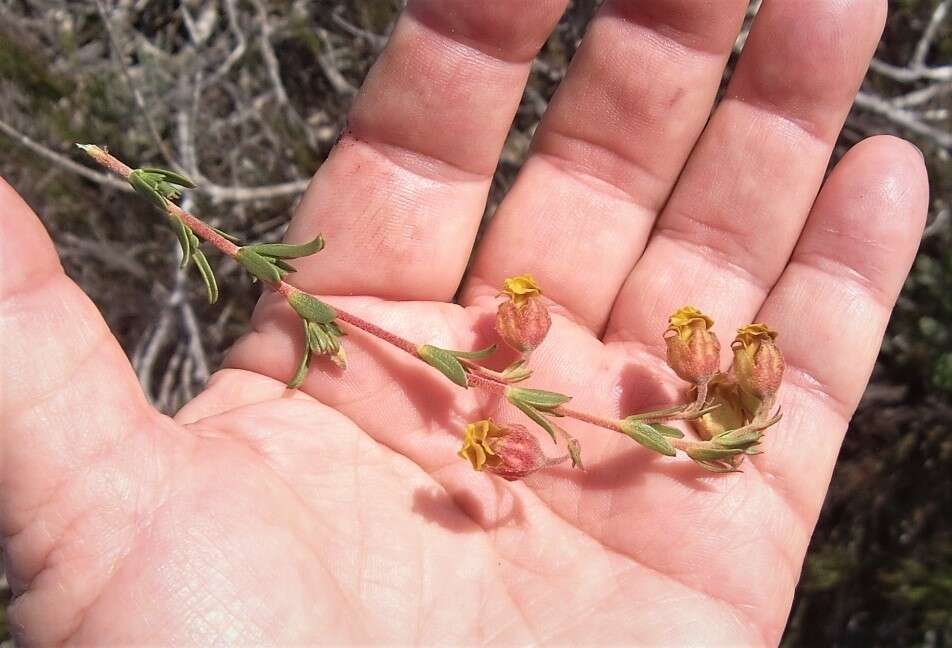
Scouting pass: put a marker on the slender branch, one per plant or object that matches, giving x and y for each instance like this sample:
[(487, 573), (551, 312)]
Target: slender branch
[(480, 378)]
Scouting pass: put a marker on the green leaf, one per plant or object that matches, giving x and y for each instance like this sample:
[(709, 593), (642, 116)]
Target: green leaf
[(288, 251), (301, 373), (740, 438), (322, 340), (225, 235), (667, 430), (282, 264), (147, 188), (168, 176), (208, 276), (475, 355), (647, 436), (184, 239), (537, 417), (717, 466), (708, 453), (258, 265), (445, 362), (311, 308), (517, 372), (540, 399)]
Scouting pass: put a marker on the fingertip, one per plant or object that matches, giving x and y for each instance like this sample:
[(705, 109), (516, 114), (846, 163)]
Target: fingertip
[(882, 188), (26, 250)]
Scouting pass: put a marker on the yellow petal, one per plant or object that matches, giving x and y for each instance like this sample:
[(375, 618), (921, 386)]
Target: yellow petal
[(520, 288), (684, 320)]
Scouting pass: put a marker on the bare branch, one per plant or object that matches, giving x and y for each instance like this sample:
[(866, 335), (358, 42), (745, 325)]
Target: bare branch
[(62, 160)]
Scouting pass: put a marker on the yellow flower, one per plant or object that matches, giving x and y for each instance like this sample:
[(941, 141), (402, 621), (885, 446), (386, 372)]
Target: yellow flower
[(510, 451), (520, 289), (752, 334), (688, 319), (477, 446)]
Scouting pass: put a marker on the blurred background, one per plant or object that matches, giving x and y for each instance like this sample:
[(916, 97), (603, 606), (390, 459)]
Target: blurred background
[(248, 96)]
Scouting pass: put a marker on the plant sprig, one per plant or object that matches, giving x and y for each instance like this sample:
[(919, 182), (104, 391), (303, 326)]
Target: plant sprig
[(744, 397)]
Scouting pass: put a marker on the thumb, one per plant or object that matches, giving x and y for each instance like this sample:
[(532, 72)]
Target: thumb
[(68, 395)]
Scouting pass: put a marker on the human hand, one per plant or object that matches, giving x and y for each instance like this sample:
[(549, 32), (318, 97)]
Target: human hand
[(340, 512)]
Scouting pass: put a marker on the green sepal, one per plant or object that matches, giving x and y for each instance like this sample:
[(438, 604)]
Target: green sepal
[(667, 430), (311, 308), (147, 189), (537, 418), (289, 251), (322, 338), (647, 436), (474, 355), (540, 399), (739, 439), (169, 176), (208, 276), (708, 453), (444, 362), (257, 265), (301, 372), (517, 372), (717, 466)]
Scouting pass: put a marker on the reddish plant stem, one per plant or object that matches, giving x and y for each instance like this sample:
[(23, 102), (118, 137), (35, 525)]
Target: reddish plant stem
[(479, 377)]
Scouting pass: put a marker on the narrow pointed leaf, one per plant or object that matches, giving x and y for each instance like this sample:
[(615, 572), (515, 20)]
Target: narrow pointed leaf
[(475, 355), (144, 187), (717, 466), (301, 373), (311, 308), (184, 239), (706, 453), (282, 264), (517, 372), (667, 430), (540, 399), (225, 235), (288, 251), (257, 265), (169, 176), (208, 276), (444, 362), (647, 436), (537, 417)]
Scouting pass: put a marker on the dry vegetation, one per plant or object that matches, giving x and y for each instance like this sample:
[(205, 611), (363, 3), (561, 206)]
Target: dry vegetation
[(248, 96)]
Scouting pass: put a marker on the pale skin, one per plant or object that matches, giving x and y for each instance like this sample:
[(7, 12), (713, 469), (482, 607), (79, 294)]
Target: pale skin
[(340, 513)]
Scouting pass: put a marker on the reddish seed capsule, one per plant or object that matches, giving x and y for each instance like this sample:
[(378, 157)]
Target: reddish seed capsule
[(510, 451), (523, 327), (758, 361), (694, 352)]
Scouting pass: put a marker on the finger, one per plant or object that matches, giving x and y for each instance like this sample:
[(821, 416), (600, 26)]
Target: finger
[(609, 150), (401, 195), (832, 304), (729, 227), (68, 397)]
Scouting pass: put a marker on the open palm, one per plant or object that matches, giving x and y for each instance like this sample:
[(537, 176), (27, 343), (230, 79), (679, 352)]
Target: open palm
[(340, 512)]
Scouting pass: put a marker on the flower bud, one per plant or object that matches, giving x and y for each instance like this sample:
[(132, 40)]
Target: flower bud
[(510, 451), (693, 350), (758, 362), (523, 320)]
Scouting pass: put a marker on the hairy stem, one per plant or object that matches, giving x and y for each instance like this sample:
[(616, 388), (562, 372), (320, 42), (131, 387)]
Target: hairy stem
[(479, 377)]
